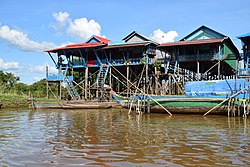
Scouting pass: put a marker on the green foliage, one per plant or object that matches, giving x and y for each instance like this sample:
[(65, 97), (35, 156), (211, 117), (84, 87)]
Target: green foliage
[(8, 82), (157, 64), (13, 100), (143, 60)]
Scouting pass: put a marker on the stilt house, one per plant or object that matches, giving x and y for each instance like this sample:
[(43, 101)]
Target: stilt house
[(202, 55), (244, 71)]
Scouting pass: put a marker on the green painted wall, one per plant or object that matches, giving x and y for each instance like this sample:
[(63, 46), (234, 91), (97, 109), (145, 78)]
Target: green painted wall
[(232, 63), (230, 57)]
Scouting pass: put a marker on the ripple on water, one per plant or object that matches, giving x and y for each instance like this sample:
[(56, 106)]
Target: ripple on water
[(111, 138)]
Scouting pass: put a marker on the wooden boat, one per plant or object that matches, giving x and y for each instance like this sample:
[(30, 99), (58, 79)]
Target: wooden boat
[(86, 105), (174, 104), (201, 97)]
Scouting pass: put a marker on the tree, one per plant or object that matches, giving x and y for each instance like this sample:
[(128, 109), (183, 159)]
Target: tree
[(8, 81)]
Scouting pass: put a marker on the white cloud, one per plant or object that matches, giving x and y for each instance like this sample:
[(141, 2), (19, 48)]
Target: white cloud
[(84, 28), (8, 65), (62, 18), (41, 69), (80, 28), (162, 37), (21, 40)]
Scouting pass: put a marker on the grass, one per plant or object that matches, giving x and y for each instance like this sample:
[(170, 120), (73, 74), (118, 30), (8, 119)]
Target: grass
[(12, 100)]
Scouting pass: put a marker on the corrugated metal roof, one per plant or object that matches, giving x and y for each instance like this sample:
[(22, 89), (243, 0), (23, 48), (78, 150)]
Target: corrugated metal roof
[(77, 46), (243, 36), (102, 42), (124, 45), (198, 42)]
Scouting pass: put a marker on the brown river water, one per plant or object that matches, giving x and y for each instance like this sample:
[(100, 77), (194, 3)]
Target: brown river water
[(112, 138)]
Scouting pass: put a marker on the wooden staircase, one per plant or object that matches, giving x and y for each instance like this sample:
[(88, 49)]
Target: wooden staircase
[(70, 86), (101, 77)]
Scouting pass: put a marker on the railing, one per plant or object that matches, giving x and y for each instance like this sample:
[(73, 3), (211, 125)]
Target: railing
[(77, 64), (244, 72), (131, 61), (54, 77), (192, 57), (57, 77)]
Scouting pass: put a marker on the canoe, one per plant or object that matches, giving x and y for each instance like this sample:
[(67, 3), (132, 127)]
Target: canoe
[(87, 105)]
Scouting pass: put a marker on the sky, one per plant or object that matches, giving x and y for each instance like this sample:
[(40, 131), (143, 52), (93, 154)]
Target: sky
[(27, 27)]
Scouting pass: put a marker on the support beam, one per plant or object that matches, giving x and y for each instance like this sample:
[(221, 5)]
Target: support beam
[(52, 59), (127, 81), (59, 90), (86, 83), (83, 60), (219, 69), (47, 83)]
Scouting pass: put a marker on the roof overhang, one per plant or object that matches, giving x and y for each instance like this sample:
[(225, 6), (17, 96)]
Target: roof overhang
[(243, 36), (76, 46), (129, 45), (198, 42)]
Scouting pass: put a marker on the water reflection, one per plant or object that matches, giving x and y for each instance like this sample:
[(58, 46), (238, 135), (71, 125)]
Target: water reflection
[(111, 137)]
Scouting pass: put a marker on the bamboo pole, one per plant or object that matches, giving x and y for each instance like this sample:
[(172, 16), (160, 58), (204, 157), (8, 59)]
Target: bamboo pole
[(86, 83), (144, 93), (215, 107), (129, 112), (47, 83)]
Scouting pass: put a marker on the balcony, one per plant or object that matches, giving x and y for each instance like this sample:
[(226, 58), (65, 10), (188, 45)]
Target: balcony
[(131, 61), (57, 77), (195, 57)]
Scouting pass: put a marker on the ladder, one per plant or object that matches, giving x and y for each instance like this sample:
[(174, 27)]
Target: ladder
[(70, 86), (172, 67), (102, 75)]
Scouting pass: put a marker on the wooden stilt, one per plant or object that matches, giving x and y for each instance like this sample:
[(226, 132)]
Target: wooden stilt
[(234, 95), (59, 90), (47, 83), (86, 83), (110, 80)]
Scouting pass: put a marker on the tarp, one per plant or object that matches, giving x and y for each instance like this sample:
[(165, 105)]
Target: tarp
[(215, 88)]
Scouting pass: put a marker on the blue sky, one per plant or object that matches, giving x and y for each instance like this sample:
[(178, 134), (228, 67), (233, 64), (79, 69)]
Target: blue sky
[(29, 26)]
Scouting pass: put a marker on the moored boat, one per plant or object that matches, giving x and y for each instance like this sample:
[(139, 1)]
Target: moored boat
[(217, 97), (86, 105)]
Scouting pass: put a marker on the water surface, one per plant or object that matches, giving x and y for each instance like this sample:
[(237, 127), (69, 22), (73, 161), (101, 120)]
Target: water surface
[(112, 138)]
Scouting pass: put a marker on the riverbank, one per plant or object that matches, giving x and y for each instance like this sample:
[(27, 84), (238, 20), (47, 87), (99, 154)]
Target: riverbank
[(13, 101), (16, 101), (19, 101)]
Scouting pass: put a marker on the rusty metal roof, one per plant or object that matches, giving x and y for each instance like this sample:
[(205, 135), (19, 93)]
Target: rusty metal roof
[(198, 42)]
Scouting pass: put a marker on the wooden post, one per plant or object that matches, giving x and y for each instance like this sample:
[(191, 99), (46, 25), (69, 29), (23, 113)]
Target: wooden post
[(86, 83), (110, 80), (156, 82), (127, 81), (146, 85), (89, 91), (47, 83), (219, 70), (198, 69), (59, 90)]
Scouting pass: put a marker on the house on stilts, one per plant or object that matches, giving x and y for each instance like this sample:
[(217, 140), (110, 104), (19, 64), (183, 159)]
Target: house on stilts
[(244, 70), (91, 69)]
